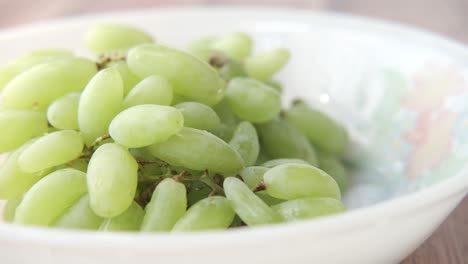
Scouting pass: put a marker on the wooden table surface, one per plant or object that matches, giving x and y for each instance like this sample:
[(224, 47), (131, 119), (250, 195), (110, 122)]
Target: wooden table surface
[(449, 244)]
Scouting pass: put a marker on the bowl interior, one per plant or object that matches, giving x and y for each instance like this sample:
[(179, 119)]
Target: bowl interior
[(401, 93)]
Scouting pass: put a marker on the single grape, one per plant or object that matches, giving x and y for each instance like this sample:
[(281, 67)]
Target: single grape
[(335, 168), (10, 209), (308, 208), (293, 181), (153, 89), (79, 216), (188, 75), (107, 37), (321, 130), (250, 208), (50, 197), (39, 86), (199, 116), (143, 125), (63, 112), (214, 212), (237, 45), (51, 150), (130, 220), (167, 206), (112, 180), (100, 102), (20, 126), (282, 140), (276, 162), (253, 176), (129, 78), (245, 142), (253, 100), (198, 150), (264, 66)]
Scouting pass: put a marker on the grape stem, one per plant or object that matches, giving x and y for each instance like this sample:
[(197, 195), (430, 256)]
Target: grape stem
[(259, 187)]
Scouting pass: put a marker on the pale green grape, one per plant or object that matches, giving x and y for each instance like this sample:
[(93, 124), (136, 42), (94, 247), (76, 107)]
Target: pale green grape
[(143, 125), (19, 126), (253, 100), (282, 140), (39, 86), (49, 198), (213, 212), (51, 150), (100, 102), (250, 208), (10, 209), (245, 142), (130, 220), (264, 66), (308, 208), (29, 60), (253, 175), (129, 78), (112, 180), (321, 130), (199, 116), (334, 168), (198, 150), (237, 45), (167, 206), (270, 200), (79, 216), (293, 181), (153, 89), (188, 75), (276, 162), (106, 37), (13, 181), (202, 48), (63, 112)]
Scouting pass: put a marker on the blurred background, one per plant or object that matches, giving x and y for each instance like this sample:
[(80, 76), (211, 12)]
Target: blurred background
[(447, 17)]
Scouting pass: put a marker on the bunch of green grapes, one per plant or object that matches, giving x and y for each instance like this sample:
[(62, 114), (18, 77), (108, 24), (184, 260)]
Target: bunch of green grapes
[(152, 138)]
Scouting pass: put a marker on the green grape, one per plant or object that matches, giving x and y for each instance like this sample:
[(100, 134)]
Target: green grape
[(167, 206), (188, 76), (63, 112), (130, 220), (236, 45), (50, 197), (270, 200), (51, 150), (39, 86), (79, 216), (308, 208), (100, 102), (112, 180), (213, 212), (198, 150), (253, 100), (143, 125), (151, 90), (253, 175), (13, 181), (199, 116), (107, 37), (129, 78), (19, 126), (10, 209), (202, 48), (321, 130), (25, 62), (334, 168), (282, 140), (293, 181), (276, 162), (250, 208), (229, 121), (264, 66), (245, 142)]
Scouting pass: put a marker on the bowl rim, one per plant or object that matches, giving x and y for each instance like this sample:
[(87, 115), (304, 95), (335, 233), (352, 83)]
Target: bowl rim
[(454, 187)]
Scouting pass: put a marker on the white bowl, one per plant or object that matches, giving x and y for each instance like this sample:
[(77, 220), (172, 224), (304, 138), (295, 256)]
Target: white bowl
[(400, 91)]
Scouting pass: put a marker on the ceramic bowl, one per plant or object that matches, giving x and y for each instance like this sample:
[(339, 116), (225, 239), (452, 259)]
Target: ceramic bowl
[(401, 92)]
